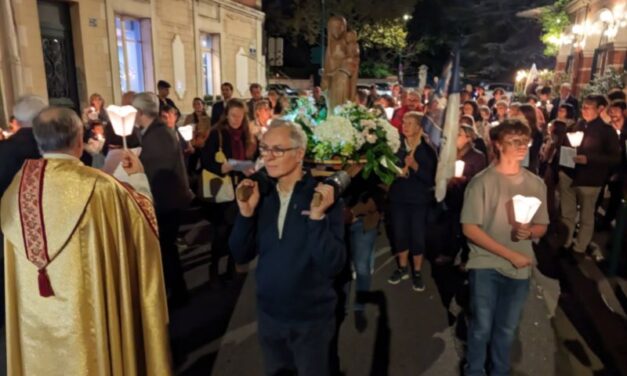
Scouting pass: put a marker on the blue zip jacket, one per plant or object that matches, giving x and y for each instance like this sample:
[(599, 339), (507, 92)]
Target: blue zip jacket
[(295, 274)]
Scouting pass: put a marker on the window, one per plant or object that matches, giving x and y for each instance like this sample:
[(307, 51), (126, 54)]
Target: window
[(210, 61), (134, 55)]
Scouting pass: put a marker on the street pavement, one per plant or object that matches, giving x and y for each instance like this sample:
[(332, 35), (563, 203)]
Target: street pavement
[(408, 332)]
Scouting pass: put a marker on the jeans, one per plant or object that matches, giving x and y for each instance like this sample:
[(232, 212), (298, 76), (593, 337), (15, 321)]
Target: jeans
[(496, 304), (362, 250), (303, 349)]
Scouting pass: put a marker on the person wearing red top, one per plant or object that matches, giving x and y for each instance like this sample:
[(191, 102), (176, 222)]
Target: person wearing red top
[(412, 104)]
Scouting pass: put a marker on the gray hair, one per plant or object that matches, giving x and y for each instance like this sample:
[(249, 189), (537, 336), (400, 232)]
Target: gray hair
[(27, 108), (566, 85), (57, 129), (297, 134), (148, 103)]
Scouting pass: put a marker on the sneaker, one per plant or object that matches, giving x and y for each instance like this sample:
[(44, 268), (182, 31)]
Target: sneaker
[(399, 275), (416, 281)]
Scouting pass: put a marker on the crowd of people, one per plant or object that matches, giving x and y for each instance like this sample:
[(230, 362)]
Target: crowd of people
[(307, 253)]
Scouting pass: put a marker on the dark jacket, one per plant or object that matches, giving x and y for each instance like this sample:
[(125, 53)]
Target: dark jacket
[(294, 274), (556, 105), (13, 153), (418, 187), (216, 112), (475, 161), (112, 139), (601, 147), (208, 152), (163, 162)]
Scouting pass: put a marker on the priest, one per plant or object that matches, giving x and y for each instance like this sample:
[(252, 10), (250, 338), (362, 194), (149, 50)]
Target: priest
[(84, 281)]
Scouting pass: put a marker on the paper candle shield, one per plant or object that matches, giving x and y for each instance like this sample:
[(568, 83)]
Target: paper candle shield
[(459, 168), (187, 132), (575, 138), (525, 208), (122, 119)]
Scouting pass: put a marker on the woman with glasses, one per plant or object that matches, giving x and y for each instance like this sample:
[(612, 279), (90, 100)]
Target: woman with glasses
[(230, 140)]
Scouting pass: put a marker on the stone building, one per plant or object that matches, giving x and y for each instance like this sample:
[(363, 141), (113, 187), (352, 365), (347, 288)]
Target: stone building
[(67, 50)]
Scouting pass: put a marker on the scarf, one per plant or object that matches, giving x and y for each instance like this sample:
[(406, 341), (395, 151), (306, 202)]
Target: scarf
[(237, 143)]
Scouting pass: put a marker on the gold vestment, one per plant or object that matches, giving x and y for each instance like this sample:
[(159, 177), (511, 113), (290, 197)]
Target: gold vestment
[(107, 314)]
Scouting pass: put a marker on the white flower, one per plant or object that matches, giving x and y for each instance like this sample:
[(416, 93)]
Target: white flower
[(368, 123), (391, 134), (371, 138), (338, 131)]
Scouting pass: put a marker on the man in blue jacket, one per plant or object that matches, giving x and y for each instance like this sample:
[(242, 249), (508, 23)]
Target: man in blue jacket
[(301, 250)]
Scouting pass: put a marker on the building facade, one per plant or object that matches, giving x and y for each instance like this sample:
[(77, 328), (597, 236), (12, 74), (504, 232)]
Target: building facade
[(67, 50), (595, 42)]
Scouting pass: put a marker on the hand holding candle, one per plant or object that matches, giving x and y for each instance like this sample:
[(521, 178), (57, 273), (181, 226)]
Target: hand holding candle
[(575, 138), (122, 120)]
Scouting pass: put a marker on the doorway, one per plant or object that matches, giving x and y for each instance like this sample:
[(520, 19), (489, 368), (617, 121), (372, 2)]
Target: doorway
[(58, 50)]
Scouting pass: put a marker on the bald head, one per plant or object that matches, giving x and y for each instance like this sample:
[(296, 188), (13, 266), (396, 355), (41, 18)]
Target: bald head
[(59, 130)]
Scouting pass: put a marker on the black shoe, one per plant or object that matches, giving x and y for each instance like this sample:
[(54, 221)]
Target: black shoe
[(416, 281), (361, 323), (399, 275)]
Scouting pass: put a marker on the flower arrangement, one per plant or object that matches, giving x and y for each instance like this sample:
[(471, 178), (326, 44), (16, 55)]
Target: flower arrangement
[(350, 134)]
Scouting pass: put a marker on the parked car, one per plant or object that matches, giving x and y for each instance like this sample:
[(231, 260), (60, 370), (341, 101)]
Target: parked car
[(283, 88)]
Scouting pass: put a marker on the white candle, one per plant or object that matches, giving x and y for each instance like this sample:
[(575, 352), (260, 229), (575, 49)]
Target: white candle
[(187, 132), (122, 120), (575, 138), (459, 168), (525, 208)]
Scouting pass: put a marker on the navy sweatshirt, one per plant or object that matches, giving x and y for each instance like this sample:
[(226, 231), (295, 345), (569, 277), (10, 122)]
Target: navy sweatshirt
[(295, 274)]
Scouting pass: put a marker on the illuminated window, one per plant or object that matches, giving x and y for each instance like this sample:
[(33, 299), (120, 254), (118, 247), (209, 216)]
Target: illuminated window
[(210, 62), (134, 53)]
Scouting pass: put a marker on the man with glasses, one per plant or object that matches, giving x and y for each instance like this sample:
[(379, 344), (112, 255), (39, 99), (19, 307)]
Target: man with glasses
[(598, 153), (301, 250), (501, 253)]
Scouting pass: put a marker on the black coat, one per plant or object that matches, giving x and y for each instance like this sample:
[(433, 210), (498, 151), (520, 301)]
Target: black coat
[(418, 187), (13, 153), (556, 105), (208, 152), (474, 162), (163, 162), (216, 112), (601, 146)]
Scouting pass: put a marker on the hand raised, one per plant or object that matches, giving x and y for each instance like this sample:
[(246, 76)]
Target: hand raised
[(247, 207), (327, 198)]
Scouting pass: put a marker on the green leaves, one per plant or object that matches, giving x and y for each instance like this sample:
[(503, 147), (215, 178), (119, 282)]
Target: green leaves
[(554, 20)]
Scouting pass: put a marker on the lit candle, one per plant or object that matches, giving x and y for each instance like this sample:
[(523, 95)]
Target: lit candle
[(575, 138), (525, 208), (122, 120), (459, 168), (187, 132)]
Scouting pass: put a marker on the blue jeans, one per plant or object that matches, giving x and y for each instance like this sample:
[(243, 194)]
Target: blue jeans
[(496, 304), (362, 251)]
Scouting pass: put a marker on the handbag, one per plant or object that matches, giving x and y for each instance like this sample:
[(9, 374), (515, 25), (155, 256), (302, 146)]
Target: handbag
[(216, 188)]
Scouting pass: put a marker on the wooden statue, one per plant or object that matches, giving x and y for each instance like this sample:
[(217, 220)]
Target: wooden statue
[(341, 63)]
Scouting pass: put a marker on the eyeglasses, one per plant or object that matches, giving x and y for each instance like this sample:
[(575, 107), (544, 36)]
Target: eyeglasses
[(275, 151), (518, 142)]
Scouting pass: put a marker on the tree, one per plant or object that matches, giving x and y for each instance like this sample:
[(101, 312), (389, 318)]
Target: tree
[(301, 20), (494, 41)]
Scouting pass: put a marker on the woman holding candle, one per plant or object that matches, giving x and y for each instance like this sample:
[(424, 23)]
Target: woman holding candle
[(229, 140), (411, 196), (473, 162)]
